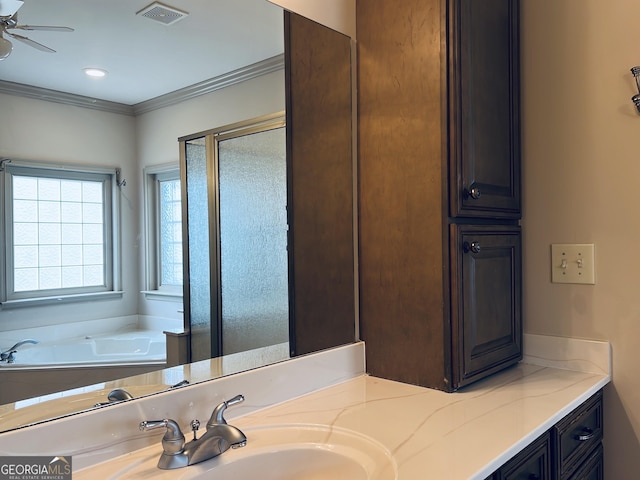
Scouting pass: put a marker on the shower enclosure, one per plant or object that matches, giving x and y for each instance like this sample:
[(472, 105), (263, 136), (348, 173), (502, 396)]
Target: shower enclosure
[(236, 260)]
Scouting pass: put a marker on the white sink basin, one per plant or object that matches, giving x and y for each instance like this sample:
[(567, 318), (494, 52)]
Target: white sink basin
[(301, 452), (281, 452)]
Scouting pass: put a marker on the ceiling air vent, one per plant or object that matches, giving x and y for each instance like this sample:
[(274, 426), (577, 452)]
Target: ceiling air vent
[(162, 13)]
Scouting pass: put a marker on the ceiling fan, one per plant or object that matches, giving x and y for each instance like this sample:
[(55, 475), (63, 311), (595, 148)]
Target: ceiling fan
[(9, 21)]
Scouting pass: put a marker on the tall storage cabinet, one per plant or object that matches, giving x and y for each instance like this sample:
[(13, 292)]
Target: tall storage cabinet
[(439, 189)]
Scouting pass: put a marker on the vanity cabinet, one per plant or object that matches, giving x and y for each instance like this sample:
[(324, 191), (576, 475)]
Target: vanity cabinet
[(570, 450), (577, 442), (593, 466), (532, 463), (439, 189)]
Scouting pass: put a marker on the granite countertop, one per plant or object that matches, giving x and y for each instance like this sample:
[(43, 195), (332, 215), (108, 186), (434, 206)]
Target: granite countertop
[(428, 433), (462, 435), (419, 432)]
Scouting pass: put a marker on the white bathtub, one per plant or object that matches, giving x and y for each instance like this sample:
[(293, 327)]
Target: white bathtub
[(62, 361), (132, 347)]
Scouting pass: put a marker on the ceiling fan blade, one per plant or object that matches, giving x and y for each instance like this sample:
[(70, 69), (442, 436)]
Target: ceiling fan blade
[(8, 8), (30, 42), (47, 28)]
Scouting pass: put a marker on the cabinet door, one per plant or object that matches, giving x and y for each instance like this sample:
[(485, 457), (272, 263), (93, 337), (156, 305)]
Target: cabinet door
[(532, 463), (484, 108), (486, 305)]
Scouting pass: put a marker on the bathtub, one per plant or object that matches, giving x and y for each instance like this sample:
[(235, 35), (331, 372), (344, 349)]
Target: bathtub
[(134, 347), (60, 361)]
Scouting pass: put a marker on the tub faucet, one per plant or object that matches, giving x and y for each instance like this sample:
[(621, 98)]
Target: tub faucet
[(115, 396), (7, 355), (218, 438), (119, 395)]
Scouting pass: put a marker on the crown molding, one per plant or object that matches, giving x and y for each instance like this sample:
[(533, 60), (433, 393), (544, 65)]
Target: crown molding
[(240, 75), (243, 74), (29, 91)]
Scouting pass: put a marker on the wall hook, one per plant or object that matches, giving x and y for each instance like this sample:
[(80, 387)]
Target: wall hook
[(636, 98), (120, 182)]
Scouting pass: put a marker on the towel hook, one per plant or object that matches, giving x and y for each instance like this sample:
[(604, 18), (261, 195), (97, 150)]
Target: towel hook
[(636, 98), (3, 161), (119, 182)]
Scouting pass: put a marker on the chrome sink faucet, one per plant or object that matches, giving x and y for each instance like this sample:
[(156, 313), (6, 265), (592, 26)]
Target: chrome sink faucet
[(218, 438), (7, 355)]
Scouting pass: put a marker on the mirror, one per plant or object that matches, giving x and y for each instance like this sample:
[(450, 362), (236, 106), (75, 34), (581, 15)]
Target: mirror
[(61, 128)]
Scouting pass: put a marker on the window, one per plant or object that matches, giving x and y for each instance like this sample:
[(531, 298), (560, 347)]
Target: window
[(58, 229), (164, 231)]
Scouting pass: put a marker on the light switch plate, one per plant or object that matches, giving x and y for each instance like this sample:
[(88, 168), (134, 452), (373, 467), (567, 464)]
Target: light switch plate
[(573, 263)]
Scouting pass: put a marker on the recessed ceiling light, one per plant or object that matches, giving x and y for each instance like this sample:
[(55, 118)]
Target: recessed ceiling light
[(95, 72)]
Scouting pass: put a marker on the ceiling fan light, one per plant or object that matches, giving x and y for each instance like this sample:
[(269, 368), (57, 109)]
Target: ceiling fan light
[(5, 48), (9, 7), (95, 72)]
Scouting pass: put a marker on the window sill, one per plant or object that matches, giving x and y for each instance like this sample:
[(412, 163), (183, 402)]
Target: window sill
[(163, 296), (60, 299)]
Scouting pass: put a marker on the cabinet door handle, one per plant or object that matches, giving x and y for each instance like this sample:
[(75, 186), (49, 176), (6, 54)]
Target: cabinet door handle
[(473, 192), (587, 434), (473, 247)]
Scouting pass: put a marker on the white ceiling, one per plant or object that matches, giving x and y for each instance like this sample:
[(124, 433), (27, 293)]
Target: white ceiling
[(144, 58)]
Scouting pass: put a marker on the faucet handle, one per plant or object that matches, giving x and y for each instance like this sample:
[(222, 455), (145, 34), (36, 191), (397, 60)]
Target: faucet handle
[(217, 417), (9, 356), (173, 439)]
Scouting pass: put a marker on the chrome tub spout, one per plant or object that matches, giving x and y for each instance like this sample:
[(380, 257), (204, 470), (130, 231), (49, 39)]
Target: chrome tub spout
[(8, 354)]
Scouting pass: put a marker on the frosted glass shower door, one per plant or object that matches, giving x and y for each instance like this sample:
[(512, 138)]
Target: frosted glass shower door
[(253, 240)]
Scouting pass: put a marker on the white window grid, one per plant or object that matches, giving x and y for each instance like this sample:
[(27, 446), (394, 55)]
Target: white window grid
[(163, 213), (170, 230), (58, 228)]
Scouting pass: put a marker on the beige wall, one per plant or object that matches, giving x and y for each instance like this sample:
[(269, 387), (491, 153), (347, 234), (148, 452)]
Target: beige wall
[(52, 132), (44, 131), (158, 132), (337, 14), (581, 150)]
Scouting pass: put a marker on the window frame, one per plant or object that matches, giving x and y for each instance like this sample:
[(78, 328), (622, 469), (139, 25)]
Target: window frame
[(153, 175), (111, 287)]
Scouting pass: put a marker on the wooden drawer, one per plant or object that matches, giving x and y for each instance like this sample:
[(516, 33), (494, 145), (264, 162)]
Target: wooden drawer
[(577, 435), (592, 468), (532, 463)]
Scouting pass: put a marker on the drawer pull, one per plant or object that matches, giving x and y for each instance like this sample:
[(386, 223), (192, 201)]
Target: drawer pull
[(587, 434)]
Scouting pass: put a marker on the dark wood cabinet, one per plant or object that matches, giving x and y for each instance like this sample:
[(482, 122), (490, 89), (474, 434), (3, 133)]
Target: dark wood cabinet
[(484, 105), (593, 466), (575, 438), (486, 264), (532, 463), (439, 170), (570, 450)]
